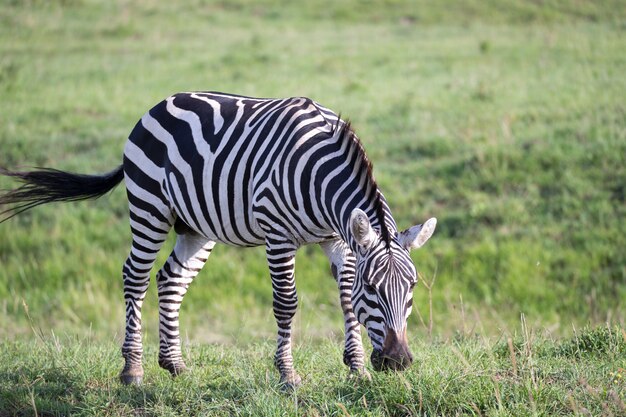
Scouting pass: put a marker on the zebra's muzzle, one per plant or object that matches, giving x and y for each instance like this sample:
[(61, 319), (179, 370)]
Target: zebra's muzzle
[(395, 355)]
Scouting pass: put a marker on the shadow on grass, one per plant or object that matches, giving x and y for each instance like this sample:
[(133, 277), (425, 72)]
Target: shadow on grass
[(53, 391)]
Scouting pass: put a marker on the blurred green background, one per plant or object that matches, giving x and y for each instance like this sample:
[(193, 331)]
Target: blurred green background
[(504, 119)]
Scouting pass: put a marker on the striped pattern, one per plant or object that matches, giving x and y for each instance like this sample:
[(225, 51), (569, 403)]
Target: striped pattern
[(246, 172)]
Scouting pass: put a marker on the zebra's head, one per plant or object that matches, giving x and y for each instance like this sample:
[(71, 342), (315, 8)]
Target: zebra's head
[(382, 293)]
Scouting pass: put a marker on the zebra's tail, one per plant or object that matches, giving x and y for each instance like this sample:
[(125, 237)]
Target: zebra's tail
[(47, 185)]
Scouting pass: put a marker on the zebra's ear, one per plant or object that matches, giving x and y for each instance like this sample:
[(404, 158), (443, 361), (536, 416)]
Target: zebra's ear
[(415, 237), (361, 228)]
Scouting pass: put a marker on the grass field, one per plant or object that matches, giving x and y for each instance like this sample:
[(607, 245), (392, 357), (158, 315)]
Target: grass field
[(505, 120), (525, 376)]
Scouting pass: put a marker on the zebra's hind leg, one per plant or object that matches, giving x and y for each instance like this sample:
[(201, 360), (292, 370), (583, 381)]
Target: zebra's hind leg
[(342, 263), (281, 259), (186, 260), (149, 231)]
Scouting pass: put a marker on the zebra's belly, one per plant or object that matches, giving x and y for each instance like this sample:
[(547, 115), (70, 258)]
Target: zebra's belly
[(225, 225)]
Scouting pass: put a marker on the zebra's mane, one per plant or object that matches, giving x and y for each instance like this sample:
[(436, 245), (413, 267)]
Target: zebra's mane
[(346, 132)]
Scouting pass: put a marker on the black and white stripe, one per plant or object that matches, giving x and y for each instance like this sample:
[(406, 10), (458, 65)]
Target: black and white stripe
[(245, 172)]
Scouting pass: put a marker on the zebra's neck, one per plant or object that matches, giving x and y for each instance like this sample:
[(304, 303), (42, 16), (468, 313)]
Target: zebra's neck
[(348, 184)]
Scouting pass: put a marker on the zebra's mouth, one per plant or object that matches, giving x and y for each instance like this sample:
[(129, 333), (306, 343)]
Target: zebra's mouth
[(385, 362)]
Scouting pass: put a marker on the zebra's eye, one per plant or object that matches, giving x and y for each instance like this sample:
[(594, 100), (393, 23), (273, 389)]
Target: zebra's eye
[(369, 289), (412, 286)]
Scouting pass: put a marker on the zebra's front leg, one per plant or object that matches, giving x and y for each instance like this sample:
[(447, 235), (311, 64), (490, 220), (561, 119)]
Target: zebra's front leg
[(281, 259), (186, 260), (343, 264)]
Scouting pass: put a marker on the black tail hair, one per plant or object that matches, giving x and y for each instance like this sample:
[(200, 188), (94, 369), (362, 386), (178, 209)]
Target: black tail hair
[(47, 185)]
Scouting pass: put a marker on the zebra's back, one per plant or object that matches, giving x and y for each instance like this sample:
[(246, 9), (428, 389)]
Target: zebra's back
[(219, 161)]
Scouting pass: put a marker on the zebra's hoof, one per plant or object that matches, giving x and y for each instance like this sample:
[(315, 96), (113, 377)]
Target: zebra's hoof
[(359, 375), (290, 382), (132, 374), (128, 379), (177, 370), (174, 368)]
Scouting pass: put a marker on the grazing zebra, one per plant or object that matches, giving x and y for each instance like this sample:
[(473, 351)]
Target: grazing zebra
[(246, 172)]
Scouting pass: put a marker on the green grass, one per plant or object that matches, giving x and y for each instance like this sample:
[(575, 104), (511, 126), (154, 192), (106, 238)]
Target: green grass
[(504, 119), (523, 376)]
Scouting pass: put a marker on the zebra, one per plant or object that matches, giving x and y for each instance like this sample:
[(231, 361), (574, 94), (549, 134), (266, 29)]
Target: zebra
[(244, 171)]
